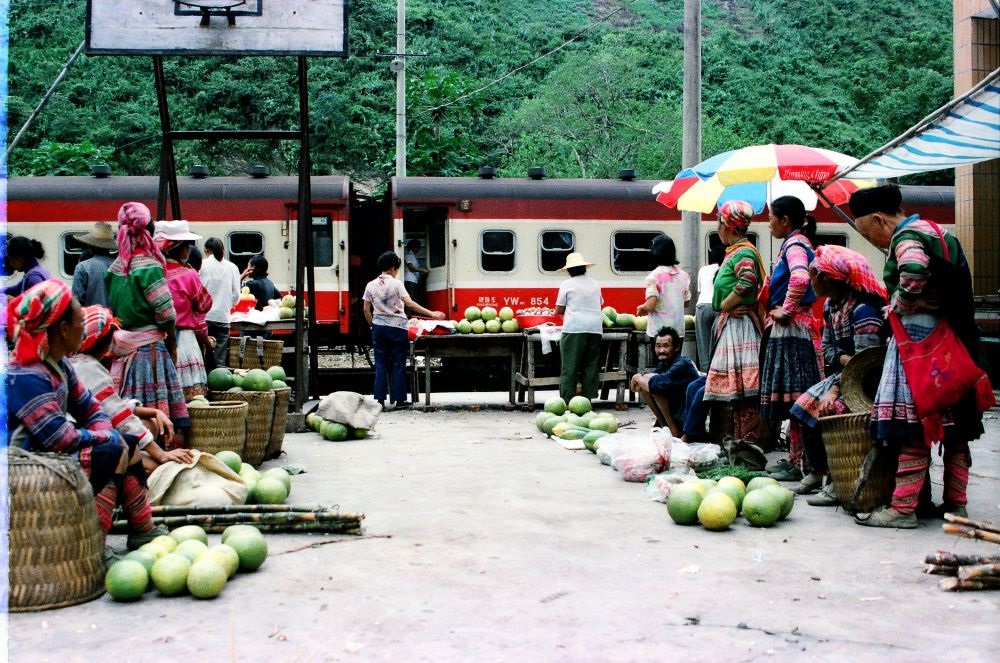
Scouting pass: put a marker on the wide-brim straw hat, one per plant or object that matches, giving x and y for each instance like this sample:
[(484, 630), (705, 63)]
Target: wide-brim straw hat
[(174, 231), (101, 236), (575, 260), (860, 379)]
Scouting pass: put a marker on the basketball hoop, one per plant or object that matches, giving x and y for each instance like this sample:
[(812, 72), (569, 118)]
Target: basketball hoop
[(229, 9)]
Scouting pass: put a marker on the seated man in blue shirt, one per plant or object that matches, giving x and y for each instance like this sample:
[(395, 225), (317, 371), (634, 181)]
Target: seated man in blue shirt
[(665, 389)]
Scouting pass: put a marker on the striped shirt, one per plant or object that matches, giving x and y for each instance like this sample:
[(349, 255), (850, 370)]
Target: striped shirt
[(790, 287), (98, 380), (141, 300), (907, 268)]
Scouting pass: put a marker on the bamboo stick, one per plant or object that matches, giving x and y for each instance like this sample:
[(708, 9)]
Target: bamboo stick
[(970, 532), (958, 585), (979, 571), (945, 558), (173, 510), (984, 525), (224, 520), (941, 570)]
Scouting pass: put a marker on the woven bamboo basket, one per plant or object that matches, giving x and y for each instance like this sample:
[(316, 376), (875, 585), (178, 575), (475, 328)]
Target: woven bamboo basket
[(847, 443), (260, 414), (247, 352), (56, 544), (281, 397), (222, 426)]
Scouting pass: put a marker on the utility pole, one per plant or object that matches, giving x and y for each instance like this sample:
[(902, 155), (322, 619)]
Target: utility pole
[(691, 145), (399, 66)]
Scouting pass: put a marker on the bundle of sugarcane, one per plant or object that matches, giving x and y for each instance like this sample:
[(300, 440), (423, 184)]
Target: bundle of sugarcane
[(266, 517), (971, 529), (944, 563)]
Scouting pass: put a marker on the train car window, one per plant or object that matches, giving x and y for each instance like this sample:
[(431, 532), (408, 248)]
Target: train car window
[(71, 255), (243, 246), (436, 243), (837, 239), (322, 227), (496, 251), (554, 246), (630, 251)]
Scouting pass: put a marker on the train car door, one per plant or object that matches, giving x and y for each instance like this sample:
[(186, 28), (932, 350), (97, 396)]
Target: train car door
[(330, 254), (428, 225)]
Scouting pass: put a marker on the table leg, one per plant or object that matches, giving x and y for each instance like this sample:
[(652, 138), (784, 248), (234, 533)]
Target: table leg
[(531, 374)]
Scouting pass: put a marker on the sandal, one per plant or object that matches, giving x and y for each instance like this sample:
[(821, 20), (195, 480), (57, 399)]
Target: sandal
[(886, 516), (809, 484)]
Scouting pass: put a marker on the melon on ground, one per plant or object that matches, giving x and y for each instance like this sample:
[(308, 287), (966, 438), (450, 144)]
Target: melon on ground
[(555, 405), (126, 580), (191, 548), (206, 578), (186, 532), (251, 548), (717, 511), (170, 573), (231, 459), (236, 529), (579, 405), (683, 503), (762, 508), (224, 555), (269, 491)]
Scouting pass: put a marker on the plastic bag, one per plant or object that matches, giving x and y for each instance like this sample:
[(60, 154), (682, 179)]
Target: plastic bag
[(703, 456), (643, 455), (608, 447), (658, 486)]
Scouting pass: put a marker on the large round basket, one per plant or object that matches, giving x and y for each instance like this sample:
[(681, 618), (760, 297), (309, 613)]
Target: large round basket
[(247, 352), (847, 443), (56, 544), (281, 397), (260, 414), (222, 426)]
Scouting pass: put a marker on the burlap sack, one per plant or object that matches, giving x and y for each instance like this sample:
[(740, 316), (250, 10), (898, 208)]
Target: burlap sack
[(349, 408), (206, 481)]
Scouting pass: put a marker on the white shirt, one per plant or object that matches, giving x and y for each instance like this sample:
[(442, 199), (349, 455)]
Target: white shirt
[(582, 298), (222, 280), (706, 278), (409, 274)]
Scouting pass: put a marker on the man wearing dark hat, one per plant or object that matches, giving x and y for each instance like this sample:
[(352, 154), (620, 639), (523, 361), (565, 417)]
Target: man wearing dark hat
[(929, 284), (88, 277)]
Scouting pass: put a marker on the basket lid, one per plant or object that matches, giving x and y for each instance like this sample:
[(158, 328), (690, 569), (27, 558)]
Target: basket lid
[(860, 379)]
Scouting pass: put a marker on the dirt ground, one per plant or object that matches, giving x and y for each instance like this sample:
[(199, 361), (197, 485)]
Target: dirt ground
[(486, 541)]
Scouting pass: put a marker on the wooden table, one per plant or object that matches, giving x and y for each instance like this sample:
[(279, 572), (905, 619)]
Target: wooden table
[(614, 353), (462, 346)]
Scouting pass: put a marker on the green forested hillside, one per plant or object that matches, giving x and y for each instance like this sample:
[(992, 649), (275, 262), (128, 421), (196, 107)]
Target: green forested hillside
[(842, 74)]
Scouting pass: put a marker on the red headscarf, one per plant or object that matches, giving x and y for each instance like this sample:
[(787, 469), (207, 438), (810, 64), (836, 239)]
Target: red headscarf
[(98, 323), (30, 315), (842, 264), (735, 215), (133, 235)]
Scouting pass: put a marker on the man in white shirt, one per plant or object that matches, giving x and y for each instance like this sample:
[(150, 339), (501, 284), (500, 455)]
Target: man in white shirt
[(412, 270), (222, 280)]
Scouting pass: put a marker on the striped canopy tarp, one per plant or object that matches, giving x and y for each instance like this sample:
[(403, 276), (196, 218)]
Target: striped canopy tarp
[(961, 133)]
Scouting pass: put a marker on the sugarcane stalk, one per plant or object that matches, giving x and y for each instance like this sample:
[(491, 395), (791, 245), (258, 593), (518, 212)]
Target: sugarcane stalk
[(984, 525), (176, 510), (225, 519), (945, 558), (277, 528), (958, 585), (970, 532), (979, 571), (941, 570)]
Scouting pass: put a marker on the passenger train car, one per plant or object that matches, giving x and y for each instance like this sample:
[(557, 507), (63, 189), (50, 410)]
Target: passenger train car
[(488, 242)]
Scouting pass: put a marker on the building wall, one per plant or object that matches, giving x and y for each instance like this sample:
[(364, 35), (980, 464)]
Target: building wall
[(977, 188)]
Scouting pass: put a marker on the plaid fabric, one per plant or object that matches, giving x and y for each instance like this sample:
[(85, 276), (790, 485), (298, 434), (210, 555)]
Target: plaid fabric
[(150, 377), (98, 380), (31, 314), (98, 322), (735, 370), (736, 215), (790, 367), (842, 264), (133, 235)]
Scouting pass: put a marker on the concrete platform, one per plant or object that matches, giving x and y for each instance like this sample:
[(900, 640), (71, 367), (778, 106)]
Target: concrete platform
[(486, 541)]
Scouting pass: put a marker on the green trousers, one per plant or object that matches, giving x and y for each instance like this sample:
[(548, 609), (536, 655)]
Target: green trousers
[(580, 360)]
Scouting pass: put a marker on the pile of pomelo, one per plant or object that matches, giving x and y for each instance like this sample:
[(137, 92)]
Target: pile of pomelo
[(488, 320), (612, 318), (715, 504), (184, 562), (286, 310), (334, 431), (575, 421), (269, 487), (255, 379)]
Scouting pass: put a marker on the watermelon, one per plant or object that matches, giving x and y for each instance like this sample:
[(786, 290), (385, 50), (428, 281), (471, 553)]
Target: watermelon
[(276, 373), (257, 379), (220, 379)]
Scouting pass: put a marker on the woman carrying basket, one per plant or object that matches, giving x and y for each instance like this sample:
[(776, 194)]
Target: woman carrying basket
[(930, 293)]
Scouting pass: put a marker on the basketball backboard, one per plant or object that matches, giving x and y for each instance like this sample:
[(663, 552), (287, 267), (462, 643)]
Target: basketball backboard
[(217, 27)]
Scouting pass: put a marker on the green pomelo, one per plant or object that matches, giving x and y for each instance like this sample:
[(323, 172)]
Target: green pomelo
[(231, 459), (154, 549), (735, 493), (313, 420), (556, 405), (279, 384), (762, 508), (733, 481), (506, 313), (359, 433), (760, 482), (285, 313), (237, 529), (488, 313), (191, 548), (206, 579), (683, 503), (251, 548), (281, 475), (169, 574), (168, 543), (220, 379), (334, 431), (144, 557), (610, 313), (277, 373), (269, 491), (464, 327), (510, 326), (248, 472), (257, 379), (717, 511), (126, 580), (708, 483), (478, 326), (186, 532), (579, 405), (787, 497), (288, 301), (224, 555), (473, 313), (493, 326)]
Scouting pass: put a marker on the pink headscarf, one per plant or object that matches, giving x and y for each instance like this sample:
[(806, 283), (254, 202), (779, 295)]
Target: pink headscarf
[(133, 235), (842, 264), (31, 315), (735, 215)]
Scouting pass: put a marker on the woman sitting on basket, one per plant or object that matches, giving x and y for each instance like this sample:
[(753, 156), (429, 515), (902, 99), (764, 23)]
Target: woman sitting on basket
[(145, 350), (48, 408), (853, 316)]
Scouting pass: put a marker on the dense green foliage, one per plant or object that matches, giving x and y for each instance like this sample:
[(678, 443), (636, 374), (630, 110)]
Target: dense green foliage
[(842, 74)]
